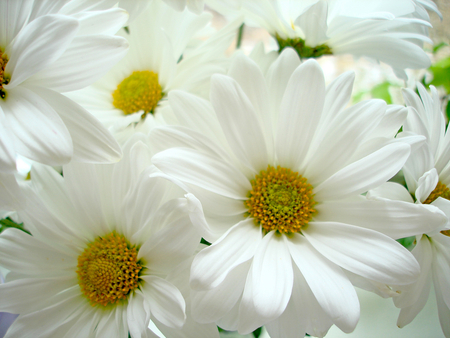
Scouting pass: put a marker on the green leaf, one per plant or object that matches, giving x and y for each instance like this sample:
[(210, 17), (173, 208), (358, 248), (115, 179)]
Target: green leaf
[(407, 242), (381, 91), (441, 74), (9, 223), (257, 332), (439, 46)]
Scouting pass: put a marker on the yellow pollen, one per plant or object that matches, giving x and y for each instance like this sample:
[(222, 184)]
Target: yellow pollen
[(446, 232), (3, 79), (139, 91), (108, 270), (441, 190), (280, 200)]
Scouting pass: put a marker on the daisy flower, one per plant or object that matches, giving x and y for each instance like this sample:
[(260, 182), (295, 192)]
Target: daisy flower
[(319, 27), (133, 95), (44, 53), (104, 240), (279, 174), (427, 176)]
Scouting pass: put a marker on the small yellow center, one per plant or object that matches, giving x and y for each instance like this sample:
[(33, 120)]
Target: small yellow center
[(139, 91), (108, 269), (3, 79), (281, 200)]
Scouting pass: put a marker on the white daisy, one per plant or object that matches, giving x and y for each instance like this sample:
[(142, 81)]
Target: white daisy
[(279, 175), (427, 175), (105, 240), (319, 27), (133, 94)]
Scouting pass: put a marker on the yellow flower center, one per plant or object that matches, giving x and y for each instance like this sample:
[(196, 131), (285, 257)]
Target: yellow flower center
[(281, 200), (3, 79), (139, 91), (108, 269)]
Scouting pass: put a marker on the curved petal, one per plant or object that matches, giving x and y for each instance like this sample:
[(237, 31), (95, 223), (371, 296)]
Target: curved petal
[(332, 289), (212, 264), (92, 143), (203, 170), (364, 174), (86, 60), (39, 132), (364, 252), (272, 278), (7, 152), (396, 219), (164, 300), (38, 45)]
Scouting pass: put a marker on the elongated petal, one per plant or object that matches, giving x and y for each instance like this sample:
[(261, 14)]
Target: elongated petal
[(203, 170), (300, 113), (209, 306), (86, 60), (365, 252), (211, 265), (164, 300), (92, 143), (272, 277), (38, 45), (11, 197), (397, 219), (39, 132), (13, 15), (364, 174), (7, 152), (332, 289), (239, 121)]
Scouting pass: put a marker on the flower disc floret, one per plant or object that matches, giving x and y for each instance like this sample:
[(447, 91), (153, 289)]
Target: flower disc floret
[(3, 79), (108, 269), (139, 91), (281, 200)]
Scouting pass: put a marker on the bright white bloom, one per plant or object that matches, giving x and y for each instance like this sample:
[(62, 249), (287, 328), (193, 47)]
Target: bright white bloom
[(133, 95), (279, 175), (105, 239), (427, 175), (378, 30), (41, 55)]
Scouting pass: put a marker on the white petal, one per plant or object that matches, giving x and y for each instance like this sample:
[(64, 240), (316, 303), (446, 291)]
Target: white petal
[(32, 294), (332, 289), (39, 132), (397, 219), (364, 174), (209, 306), (13, 15), (92, 143), (212, 264), (102, 22), (444, 312), (364, 252), (86, 60), (391, 190), (239, 121), (11, 197), (203, 170), (7, 152), (278, 76), (272, 278), (38, 45), (426, 185), (300, 113), (164, 301), (137, 317)]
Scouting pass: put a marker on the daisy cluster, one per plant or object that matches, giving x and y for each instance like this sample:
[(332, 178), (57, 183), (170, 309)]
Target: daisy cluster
[(173, 188)]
